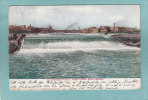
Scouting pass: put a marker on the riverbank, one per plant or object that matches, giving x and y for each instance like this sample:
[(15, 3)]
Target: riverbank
[(128, 39), (15, 42)]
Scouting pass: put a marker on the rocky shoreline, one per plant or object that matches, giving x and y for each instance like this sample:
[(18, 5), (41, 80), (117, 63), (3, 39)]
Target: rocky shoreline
[(128, 39), (15, 42)]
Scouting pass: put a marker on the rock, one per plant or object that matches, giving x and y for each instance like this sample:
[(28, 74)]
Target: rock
[(128, 39), (15, 42)]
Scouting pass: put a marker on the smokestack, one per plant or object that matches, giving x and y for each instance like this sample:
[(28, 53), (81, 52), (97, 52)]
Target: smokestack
[(114, 27)]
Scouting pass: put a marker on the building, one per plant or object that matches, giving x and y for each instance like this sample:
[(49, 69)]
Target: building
[(23, 27), (103, 29), (50, 29), (84, 31), (30, 28), (114, 28), (11, 26), (93, 30)]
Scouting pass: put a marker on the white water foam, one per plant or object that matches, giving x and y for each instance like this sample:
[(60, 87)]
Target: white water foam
[(72, 46)]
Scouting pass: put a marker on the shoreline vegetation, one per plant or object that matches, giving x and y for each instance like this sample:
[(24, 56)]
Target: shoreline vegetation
[(127, 36)]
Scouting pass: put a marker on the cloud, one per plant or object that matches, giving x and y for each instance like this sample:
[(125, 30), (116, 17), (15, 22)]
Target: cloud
[(83, 9), (75, 16), (116, 18)]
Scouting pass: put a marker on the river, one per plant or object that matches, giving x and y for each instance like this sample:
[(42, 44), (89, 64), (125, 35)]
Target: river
[(49, 56)]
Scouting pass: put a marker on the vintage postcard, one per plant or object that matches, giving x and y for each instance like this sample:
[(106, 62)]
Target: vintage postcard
[(74, 47)]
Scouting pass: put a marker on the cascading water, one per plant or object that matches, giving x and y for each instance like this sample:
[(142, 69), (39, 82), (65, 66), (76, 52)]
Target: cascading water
[(45, 45), (74, 56)]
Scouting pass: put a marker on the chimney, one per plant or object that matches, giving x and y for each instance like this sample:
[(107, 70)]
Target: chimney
[(114, 27)]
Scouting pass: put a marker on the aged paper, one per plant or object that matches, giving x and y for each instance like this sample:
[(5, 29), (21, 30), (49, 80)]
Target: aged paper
[(75, 84), (55, 48)]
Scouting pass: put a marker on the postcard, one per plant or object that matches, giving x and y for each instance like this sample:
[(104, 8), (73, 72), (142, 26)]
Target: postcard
[(74, 47)]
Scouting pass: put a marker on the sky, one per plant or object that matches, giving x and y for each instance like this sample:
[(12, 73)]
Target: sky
[(75, 16)]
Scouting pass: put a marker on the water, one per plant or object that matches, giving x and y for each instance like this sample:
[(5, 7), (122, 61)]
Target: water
[(51, 56)]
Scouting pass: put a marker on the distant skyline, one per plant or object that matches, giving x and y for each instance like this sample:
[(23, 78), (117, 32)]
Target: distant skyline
[(75, 16)]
